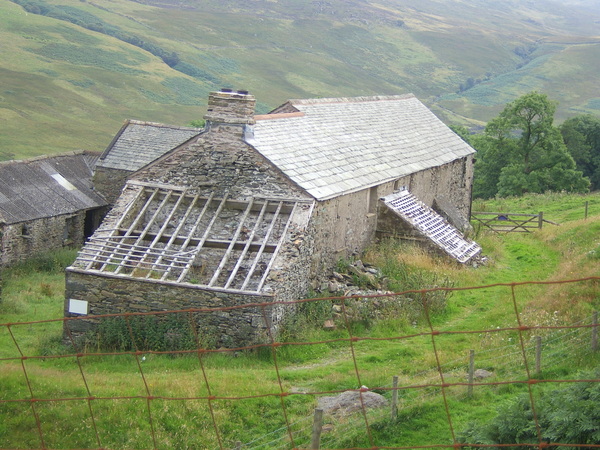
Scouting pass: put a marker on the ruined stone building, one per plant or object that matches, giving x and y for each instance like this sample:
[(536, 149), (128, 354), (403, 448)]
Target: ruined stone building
[(47, 203), (255, 208)]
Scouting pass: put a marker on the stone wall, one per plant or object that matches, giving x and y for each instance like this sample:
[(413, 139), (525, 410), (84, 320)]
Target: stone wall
[(110, 182), (23, 240), (106, 294), (220, 161), (451, 182)]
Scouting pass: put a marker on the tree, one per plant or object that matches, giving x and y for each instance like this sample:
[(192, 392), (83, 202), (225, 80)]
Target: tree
[(581, 135), (521, 151)]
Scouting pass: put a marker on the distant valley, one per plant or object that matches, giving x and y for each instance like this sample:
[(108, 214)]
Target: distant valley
[(72, 72)]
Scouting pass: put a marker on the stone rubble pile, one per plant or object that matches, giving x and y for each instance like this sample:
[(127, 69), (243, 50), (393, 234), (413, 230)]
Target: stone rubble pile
[(360, 306)]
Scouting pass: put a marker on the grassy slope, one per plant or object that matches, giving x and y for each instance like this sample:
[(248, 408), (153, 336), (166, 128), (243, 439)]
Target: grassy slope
[(555, 253), (65, 88)]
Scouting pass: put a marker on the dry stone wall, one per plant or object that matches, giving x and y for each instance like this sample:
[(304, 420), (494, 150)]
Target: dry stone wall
[(114, 295), (110, 182), (23, 240)]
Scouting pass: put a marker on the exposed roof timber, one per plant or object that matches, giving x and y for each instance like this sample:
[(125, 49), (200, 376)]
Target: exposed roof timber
[(279, 244), (171, 235), (204, 237)]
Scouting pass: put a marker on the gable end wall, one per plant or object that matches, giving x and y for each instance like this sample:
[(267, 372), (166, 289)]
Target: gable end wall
[(347, 225), (41, 236)]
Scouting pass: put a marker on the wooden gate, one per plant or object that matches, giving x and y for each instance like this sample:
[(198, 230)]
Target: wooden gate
[(509, 222)]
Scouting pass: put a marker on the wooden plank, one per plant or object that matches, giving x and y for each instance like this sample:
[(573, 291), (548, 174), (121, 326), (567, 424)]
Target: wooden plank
[(262, 247), (121, 219), (182, 222), (135, 222), (156, 238), (187, 267), (248, 245), (124, 249), (209, 243), (154, 185), (142, 235), (184, 245), (279, 245), (235, 236)]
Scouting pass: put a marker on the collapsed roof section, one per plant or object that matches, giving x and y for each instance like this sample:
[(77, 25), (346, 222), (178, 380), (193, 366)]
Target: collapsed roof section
[(168, 234), (430, 224)]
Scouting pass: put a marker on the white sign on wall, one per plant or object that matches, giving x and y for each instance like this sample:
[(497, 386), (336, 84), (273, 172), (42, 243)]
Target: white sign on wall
[(78, 306)]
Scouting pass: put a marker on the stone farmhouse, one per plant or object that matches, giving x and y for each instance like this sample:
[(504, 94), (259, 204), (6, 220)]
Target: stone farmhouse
[(258, 208), (47, 203)]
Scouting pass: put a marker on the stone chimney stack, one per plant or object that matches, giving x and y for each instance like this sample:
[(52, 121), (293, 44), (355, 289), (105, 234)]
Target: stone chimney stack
[(229, 107)]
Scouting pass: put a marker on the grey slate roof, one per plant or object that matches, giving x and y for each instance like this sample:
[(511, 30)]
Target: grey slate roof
[(336, 146), (46, 187), (140, 143)]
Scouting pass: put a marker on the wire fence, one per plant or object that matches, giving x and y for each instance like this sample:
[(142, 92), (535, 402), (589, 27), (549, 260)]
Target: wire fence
[(201, 408)]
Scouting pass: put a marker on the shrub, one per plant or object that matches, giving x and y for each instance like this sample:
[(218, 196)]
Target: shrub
[(568, 415)]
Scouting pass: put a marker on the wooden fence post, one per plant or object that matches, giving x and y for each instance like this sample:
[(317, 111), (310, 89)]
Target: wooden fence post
[(238, 445), (540, 219), (595, 331), (315, 441), (395, 397), (586, 210), (538, 354), (471, 371)]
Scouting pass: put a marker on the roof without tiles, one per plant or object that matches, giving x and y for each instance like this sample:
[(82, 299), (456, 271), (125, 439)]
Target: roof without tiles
[(336, 146), (46, 187), (140, 143)]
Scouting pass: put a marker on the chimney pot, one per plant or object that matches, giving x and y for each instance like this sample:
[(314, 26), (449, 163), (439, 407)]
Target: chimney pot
[(230, 107)]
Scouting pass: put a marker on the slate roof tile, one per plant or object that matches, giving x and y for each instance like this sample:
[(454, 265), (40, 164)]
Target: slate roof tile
[(139, 143), (369, 140)]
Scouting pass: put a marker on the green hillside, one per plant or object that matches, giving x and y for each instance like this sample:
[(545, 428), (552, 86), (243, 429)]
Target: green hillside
[(72, 72)]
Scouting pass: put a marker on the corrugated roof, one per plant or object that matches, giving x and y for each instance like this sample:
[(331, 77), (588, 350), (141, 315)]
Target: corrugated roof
[(46, 187), (342, 145), (140, 143)]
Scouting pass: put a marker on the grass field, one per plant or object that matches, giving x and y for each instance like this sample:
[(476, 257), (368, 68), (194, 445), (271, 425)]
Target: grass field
[(239, 392), (70, 78)]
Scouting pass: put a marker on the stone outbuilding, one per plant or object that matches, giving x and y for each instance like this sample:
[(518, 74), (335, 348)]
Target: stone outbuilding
[(256, 209), (135, 145), (47, 203)]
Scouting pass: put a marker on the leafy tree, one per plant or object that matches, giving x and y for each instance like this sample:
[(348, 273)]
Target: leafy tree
[(581, 135), (521, 151), (568, 415)]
